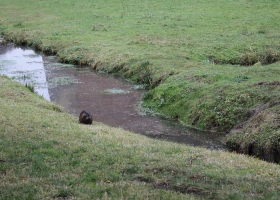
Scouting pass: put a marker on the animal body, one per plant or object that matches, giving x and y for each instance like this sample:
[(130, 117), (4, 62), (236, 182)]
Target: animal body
[(85, 117)]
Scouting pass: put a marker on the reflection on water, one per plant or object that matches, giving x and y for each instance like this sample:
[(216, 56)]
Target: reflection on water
[(24, 66), (108, 99)]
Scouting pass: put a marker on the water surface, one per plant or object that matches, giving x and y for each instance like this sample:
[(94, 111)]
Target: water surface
[(109, 100), (25, 66)]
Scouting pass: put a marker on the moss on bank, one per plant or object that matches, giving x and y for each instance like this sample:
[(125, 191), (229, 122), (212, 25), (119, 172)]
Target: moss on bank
[(205, 65), (229, 99), (259, 136)]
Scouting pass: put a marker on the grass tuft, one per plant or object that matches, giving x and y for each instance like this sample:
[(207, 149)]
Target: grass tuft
[(249, 59), (29, 87)]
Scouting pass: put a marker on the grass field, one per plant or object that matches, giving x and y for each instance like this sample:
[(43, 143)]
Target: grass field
[(46, 154), (211, 64)]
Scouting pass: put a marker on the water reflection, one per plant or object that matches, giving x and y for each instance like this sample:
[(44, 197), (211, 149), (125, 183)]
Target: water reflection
[(115, 103), (24, 66), (108, 99)]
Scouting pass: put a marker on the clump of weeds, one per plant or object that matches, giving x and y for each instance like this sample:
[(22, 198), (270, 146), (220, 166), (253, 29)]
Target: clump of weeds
[(270, 56), (266, 57), (249, 58), (144, 74), (29, 87)]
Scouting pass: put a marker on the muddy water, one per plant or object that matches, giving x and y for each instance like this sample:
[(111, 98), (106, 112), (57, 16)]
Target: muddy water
[(108, 99)]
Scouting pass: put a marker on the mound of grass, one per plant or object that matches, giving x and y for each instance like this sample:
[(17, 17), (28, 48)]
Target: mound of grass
[(165, 33), (204, 62), (242, 101), (45, 153), (259, 136), (216, 97)]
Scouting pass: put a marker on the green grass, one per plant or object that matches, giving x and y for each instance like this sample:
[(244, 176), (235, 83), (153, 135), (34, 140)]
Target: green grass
[(166, 33), (46, 154), (211, 64)]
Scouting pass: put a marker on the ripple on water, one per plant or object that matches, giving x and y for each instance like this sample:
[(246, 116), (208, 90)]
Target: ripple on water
[(116, 91)]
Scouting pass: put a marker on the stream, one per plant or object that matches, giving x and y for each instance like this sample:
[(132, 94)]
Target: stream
[(110, 100)]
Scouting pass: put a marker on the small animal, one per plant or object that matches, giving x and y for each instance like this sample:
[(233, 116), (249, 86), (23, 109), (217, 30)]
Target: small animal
[(85, 117)]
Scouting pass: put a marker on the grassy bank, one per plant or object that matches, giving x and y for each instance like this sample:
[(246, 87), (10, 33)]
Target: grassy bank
[(46, 154), (212, 65)]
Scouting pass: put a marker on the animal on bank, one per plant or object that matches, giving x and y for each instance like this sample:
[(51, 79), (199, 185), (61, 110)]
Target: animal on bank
[(85, 117)]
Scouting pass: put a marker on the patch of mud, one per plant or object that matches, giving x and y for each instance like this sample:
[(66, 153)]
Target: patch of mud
[(191, 184), (274, 83)]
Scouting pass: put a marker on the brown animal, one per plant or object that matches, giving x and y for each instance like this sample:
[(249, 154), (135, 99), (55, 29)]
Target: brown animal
[(85, 117)]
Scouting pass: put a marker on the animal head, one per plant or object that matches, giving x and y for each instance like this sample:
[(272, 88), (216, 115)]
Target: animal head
[(85, 117)]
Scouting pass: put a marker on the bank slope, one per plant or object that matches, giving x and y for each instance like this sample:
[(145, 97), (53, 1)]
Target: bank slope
[(211, 66), (46, 153)]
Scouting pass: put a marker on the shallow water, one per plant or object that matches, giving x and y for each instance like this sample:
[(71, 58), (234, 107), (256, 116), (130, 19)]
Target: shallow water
[(25, 66), (109, 100)]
